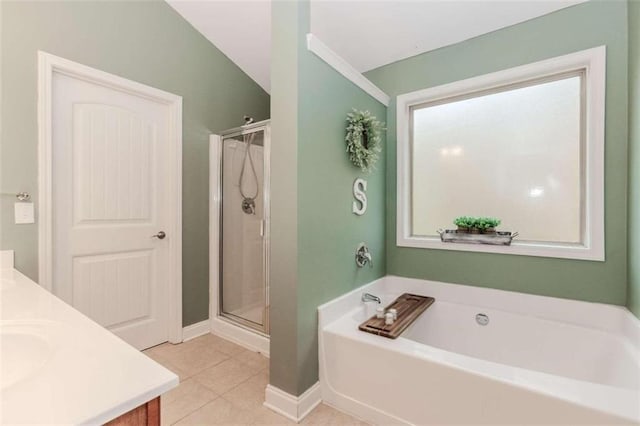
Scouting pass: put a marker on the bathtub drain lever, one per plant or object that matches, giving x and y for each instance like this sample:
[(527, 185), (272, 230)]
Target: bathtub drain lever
[(482, 319)]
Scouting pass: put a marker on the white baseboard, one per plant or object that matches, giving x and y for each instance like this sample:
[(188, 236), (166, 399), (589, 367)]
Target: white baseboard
[(196, 330), (295, 408), (245, 338)]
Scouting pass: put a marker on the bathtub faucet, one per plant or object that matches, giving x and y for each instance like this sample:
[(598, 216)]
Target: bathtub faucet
[(368, 297)]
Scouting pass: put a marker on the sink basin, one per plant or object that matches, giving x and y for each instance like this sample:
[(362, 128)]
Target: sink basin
[(24, 349)]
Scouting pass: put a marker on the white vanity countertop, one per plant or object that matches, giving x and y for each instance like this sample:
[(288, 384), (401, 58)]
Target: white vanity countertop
[(59, 367)]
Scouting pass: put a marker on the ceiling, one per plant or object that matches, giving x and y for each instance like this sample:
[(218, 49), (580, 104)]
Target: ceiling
[(366, 33), (241, 29)]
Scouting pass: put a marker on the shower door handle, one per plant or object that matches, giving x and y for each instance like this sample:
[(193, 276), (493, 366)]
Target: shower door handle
[(160, 235)]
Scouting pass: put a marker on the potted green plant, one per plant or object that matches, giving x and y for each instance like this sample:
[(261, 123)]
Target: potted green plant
[(463, 223), (487, 225), (474, 225)]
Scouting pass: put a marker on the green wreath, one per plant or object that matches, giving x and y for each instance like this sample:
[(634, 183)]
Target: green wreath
[(363, 139)]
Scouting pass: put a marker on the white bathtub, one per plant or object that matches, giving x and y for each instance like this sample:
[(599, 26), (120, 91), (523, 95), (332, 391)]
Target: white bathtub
[(540, 360)]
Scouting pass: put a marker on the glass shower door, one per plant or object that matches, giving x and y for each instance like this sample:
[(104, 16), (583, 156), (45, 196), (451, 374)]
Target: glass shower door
[(243, 297)]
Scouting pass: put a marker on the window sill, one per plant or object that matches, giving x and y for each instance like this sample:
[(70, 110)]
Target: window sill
[(521, 248)]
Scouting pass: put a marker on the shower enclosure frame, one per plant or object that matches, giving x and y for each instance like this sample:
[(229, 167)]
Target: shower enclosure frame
[(222, 324)]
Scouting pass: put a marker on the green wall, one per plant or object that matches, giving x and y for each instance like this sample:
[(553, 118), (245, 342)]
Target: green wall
[(145, 41), (327, 231), (283, 268), (576, 28), (633, 296)]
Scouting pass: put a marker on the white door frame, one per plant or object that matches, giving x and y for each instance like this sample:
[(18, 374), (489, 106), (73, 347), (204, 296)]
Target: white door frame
[(47, 65)]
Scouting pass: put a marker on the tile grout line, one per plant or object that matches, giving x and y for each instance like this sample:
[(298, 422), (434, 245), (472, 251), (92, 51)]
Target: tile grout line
[(192, 411)]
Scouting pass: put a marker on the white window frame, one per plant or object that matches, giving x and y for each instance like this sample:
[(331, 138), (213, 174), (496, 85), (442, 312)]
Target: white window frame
[(593, 62)]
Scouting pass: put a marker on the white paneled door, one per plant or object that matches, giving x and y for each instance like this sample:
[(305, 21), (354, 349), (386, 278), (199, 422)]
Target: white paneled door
[(111, 168)]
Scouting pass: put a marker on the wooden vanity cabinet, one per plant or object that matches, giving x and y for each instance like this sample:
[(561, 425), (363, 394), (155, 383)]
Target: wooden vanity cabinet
[(145, 415)]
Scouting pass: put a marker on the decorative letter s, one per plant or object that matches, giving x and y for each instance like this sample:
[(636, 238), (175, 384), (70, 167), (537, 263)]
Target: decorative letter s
[(359, 188)]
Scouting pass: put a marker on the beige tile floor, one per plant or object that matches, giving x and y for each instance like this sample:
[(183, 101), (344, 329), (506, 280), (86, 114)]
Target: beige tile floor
[(222, 383)]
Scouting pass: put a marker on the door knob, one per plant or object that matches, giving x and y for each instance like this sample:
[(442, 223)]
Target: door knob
[(160, 235)]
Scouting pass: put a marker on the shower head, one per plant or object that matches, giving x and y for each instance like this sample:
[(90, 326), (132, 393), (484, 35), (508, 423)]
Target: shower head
[(248, 120)]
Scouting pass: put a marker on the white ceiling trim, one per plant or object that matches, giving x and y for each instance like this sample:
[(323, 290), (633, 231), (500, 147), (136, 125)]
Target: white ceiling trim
[(315, 45)]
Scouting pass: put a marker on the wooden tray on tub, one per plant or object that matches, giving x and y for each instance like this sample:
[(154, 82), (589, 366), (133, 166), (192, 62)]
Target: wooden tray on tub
[(409, 307)]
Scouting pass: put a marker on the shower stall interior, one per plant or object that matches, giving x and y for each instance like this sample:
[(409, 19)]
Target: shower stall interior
[(240, 198)]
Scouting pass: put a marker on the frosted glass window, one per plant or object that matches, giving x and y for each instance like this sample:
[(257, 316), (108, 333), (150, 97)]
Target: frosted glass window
[(515, 153), (525, 145)]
